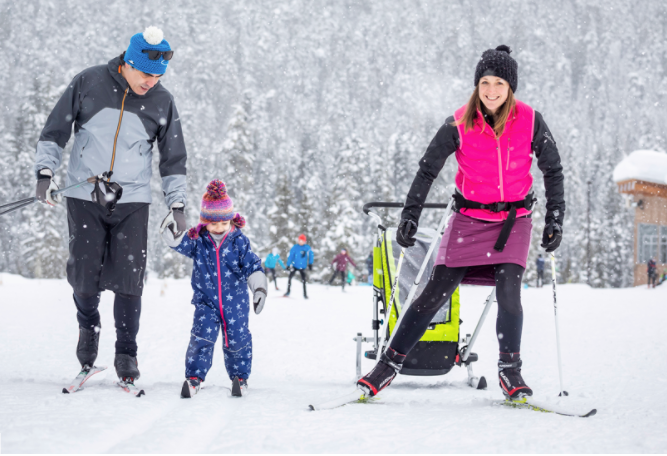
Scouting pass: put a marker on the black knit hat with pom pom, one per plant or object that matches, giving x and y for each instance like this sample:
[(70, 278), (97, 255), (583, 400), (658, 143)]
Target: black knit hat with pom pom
[(497, 62)]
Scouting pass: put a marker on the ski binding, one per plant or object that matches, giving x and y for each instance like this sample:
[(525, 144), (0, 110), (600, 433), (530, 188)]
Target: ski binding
[(83, 376), (127, 384)]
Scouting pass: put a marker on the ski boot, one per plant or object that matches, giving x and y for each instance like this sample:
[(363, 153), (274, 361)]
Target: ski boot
[(86, 348), (509, 375), (127, 367), (383, 373), (239, 387), (286, 294), (191, 386), (305, 296)]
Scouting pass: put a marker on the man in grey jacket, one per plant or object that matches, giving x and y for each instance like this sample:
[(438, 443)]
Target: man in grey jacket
[(120, 111)]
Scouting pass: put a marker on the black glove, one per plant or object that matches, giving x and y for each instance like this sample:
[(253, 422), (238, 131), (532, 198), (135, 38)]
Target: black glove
[(310, 267), (46, 185), (552, 235), (405, 235)]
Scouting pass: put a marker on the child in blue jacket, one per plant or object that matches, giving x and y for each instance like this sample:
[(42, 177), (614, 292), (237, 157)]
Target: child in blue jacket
[(224, 268), (270, 264)]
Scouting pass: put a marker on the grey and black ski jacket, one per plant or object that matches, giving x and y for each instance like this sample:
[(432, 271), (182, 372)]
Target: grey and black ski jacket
[(115, 129)]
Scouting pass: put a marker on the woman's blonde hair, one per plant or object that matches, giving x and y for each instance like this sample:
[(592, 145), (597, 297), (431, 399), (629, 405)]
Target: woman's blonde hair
[(475, 104)]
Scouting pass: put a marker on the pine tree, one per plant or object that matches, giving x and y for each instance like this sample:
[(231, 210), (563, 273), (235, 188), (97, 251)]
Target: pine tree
[(238, 158), (282, 228)]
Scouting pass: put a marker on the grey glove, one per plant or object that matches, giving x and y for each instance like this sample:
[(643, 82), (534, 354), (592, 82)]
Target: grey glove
[(258, 285), (46, 185), (175, 221)]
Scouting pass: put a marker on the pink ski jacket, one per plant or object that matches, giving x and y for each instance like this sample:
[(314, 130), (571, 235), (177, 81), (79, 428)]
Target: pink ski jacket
[(496, 169)]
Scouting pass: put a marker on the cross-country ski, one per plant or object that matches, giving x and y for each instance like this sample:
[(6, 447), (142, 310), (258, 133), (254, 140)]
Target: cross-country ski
[(538, 406)]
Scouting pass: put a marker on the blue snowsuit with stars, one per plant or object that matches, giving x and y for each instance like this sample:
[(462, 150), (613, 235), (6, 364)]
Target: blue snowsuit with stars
[(221, 299)]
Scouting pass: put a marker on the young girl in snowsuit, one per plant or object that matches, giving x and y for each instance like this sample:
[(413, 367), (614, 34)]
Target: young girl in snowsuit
[(224, 268), (494, 138)]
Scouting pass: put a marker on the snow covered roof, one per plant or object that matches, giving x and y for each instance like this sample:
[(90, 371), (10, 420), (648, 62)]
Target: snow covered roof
[(644, 165)]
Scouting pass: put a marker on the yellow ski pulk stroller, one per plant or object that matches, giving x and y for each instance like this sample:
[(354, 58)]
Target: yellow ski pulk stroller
[(441, 347)]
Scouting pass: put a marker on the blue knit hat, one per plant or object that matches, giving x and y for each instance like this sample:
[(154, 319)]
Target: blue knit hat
[(152, 39)]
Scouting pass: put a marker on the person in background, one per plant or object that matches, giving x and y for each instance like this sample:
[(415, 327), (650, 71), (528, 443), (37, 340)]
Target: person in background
[(339, 263), (652, 270), (270, 264), (540, 270), (300, 257)]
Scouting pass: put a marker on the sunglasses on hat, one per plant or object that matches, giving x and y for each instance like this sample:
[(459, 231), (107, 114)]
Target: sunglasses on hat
[(155, 55)]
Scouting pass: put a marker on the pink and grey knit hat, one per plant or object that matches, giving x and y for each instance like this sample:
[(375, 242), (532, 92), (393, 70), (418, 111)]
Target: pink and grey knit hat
[(216, 206)]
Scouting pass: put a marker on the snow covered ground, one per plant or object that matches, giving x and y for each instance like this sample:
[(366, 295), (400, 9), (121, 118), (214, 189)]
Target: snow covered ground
[(614, 354)]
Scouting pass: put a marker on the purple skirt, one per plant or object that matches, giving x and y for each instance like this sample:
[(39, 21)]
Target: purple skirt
[(469, 242)]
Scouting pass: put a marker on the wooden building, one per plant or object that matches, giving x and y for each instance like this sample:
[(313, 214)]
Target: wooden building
[(642, 176)]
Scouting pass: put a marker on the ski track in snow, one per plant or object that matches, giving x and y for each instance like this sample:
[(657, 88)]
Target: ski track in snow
[(613, 349)]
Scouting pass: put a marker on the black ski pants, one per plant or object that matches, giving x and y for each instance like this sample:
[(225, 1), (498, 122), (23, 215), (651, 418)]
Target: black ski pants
[(107, 252), (540, 277), (272, 271), (342, 277), (442, 283), (126, 312), (303, 278)]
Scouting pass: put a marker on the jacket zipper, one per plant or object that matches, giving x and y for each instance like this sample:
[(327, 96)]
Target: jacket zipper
[(217, 258), (508, 155), (115, 139)]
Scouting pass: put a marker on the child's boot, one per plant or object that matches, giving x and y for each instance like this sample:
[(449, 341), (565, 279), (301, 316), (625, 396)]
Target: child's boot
[(191, 387), (239, 387)]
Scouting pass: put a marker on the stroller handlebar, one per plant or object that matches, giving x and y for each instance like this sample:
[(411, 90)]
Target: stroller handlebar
[(368, 206)]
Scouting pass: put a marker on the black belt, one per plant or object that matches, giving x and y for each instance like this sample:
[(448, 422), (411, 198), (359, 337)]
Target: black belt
[(526, 203)]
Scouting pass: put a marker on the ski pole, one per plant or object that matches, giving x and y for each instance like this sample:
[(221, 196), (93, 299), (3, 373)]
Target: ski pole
[(560, 367), (11, 207), (413, 288)]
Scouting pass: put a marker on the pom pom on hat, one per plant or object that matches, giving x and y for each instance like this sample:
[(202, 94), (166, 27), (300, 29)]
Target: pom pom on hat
[(238, 221), (504, 48), (216, 189), (153, 35), (152, 39)]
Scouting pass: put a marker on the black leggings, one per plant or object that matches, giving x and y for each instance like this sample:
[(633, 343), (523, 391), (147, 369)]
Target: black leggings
[(302, 272), (342, 277), (442, 284), (126, 312)]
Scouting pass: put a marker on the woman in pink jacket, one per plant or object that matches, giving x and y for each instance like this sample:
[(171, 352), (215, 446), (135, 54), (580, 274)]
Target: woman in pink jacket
[(494, 138)]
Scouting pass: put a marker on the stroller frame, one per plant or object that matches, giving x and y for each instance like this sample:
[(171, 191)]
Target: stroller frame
[(464, 354)]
